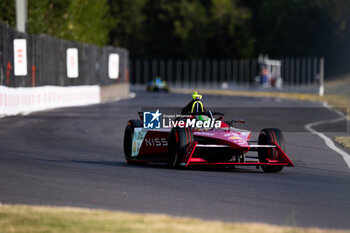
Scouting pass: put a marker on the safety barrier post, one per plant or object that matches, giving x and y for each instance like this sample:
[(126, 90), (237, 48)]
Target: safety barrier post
[(33, 76), (321, 90), (8, 72)]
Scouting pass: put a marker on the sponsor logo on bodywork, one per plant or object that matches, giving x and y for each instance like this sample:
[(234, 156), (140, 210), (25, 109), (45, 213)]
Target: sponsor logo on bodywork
[(205, 134), (139, 135), (234, 137), (156, 142)]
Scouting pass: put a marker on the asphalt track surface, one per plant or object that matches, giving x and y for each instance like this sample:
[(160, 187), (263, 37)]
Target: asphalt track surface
[(74, 157)]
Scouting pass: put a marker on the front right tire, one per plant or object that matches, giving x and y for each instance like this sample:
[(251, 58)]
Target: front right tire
[(267, 136)]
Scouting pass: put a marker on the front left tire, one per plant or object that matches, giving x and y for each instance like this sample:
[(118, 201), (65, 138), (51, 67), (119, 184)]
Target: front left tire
[(128, 136), (267, 136)]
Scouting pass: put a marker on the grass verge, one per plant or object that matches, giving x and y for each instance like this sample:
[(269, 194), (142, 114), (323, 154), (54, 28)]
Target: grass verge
[(337, 101), (27, 219), (343, 141)]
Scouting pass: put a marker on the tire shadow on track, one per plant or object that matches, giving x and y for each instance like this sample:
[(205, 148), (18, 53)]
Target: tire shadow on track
[(195, 168), (160, 166), (91, 162)]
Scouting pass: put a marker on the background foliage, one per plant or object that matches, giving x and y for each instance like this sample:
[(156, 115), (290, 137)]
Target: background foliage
[(198, 28)]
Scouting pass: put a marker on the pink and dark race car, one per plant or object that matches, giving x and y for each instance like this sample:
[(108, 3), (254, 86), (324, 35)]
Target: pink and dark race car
[(182, 146), (187, 143)]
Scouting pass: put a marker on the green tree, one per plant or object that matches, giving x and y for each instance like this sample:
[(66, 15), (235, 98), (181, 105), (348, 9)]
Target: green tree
[(190, 27), (79, 20), (295, 27), (159, 27), (47, 17), (8, 12), (184, 28), (128, 25), (230, 30), (88, 21)]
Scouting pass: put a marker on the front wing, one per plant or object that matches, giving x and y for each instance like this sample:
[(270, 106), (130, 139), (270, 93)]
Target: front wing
[(188, 160)]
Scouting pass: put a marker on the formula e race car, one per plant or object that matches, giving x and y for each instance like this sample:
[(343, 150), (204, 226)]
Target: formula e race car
[(157, 85), (185, 144)]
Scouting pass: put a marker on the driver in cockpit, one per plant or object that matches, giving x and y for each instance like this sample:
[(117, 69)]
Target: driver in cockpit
[(194, 106)]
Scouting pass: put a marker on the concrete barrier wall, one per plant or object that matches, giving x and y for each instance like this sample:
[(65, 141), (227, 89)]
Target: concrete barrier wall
[(24, 100), (108, 93)]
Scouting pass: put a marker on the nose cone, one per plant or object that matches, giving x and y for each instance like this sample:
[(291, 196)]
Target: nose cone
[(236, 140)]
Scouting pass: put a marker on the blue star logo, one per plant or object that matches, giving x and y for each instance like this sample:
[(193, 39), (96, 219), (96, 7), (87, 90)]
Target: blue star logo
[(151, 120)]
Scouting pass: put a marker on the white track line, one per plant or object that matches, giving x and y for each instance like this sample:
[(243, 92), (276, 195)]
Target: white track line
[(327, 140), (130, 96)]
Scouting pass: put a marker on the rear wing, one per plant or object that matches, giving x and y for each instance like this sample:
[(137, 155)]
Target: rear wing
[(141, 116)]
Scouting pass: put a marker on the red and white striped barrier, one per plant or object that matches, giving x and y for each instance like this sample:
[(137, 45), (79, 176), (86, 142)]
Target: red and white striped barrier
[(23, 100)]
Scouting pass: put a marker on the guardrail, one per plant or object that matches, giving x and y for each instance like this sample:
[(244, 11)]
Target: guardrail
[(39, 60), (301, 74)]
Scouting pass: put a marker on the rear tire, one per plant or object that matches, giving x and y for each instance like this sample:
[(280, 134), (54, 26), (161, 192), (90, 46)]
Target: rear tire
[(128, 135), (179, 140), (267, 136)]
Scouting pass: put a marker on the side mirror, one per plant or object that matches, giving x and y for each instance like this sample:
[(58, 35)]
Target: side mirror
[(237, 121)]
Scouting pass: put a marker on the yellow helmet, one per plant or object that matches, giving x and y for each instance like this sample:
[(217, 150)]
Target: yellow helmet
[(196, 96), (197, 105)]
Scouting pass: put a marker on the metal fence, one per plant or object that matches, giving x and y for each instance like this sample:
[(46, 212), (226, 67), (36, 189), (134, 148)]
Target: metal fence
[(295, 73), (47, 65)]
